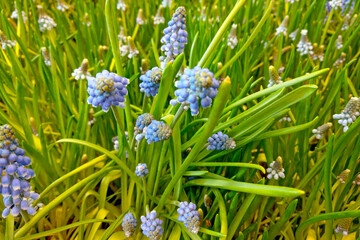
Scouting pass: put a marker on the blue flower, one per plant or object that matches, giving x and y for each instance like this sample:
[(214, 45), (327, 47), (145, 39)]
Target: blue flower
[(220, 141), (189, 216), (141, 170), (151, 82), (143, 121), (349, 114), (151, 226), (195, 84), (175, 37), (157, 131), (129, 224), (107, 89), (15, 172)]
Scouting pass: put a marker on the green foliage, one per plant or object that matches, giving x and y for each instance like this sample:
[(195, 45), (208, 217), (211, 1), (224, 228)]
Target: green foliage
[(87, 187)]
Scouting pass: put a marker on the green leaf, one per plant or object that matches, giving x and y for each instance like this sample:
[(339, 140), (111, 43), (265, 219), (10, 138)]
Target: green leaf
[(259, 189)]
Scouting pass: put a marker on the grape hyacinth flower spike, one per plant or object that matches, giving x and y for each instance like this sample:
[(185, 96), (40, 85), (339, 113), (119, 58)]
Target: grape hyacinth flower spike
[(320, 131), (194, 85), (107, 89), (343, 175), (141, 170), (151, 82), (283, 27), (274, 77), (159, 17), (339, 42), (62, 6), (232, 40), (276, 169), (344, 226), (15, 14), (16, 173), (140, 19), (5, 42), (175, 37), (304, 46), (189, 216), (349, 114), (156, 131), (151, 226), (45, 22), (121, 5), (82, 71), (46, 56), (142, 121), (220, 141), (129, 224)]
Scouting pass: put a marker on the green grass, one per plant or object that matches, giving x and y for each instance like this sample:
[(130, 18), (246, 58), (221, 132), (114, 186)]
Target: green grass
[(87, 187)]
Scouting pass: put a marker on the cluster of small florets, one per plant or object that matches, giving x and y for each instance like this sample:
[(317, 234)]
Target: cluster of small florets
[(121, 5), (318, 52), (340, 4), (293, 34), (195, 84), (276, 169), (82, 71), (45, 22), (62, 6), (159, 17), (107, 89), (320, 131), (274, 77), (141, 170), (304, 46), (46, 56), (189, 216), (129, 49), (349, 114), (15, 171), (151, 82), (232, 40), (157, 131), (220, 141), (140, 19), (339, 42), (15, 15), (143, 121), (283, 27), (334, 4), (129, 224), (343, 175), (151, 226), (343, 226), (5, 42), (175, 37)]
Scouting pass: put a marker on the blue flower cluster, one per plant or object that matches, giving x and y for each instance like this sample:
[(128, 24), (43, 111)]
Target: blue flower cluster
[(141, 170), (129, 224), (151, 82), (15, 187), (349, 114), (195, 84), (107, 89), (340, 4), (220, 141), (151, 226), (157, 131), (175, 37), (143, 121), (189, 216)]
